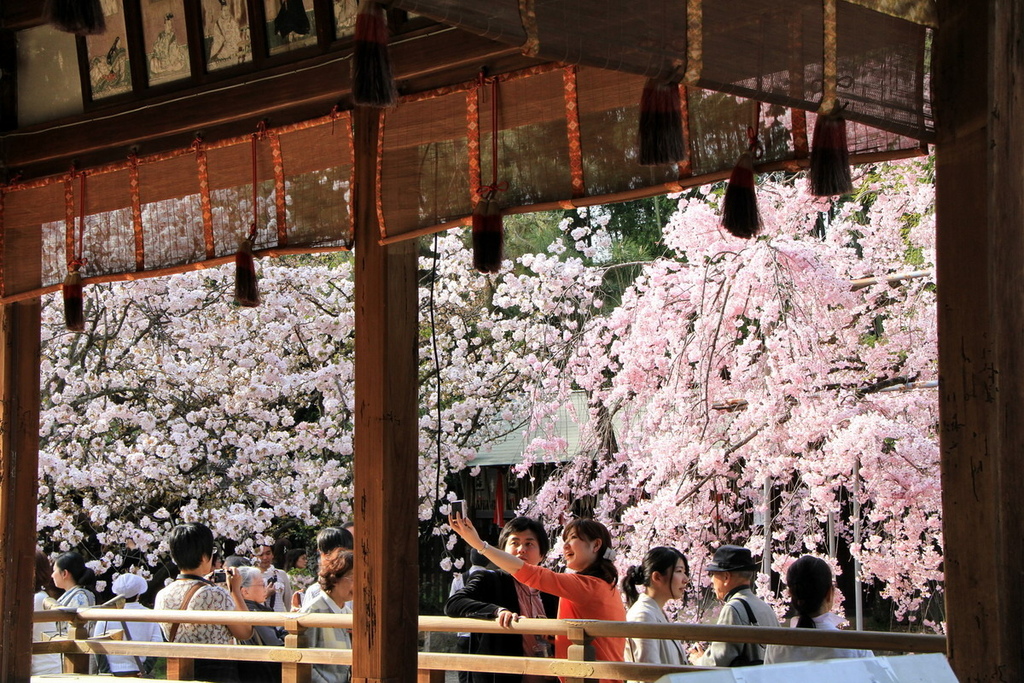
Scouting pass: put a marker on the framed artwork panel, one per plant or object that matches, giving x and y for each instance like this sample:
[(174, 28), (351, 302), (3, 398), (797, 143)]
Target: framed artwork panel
[(345, 18), (291, 24), (166, 39), (110, 73), (226, 40)]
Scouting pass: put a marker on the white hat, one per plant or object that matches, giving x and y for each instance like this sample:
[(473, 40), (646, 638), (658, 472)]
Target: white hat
[(129, 585)]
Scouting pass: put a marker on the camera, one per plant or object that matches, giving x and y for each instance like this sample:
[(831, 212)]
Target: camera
[(459, 508), (271, 580), (219, 576)]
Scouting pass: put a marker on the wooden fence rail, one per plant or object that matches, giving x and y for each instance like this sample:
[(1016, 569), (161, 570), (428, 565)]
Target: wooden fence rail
[(297, 659)]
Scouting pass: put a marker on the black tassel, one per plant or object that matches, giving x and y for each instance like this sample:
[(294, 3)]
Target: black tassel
[(74, 304), (81, 17), (488, 236), (247, 291), (661, 124), (830, 158), (373, 81), (739, 207)]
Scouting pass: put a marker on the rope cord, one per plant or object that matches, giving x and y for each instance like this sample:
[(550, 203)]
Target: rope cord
[(261, 132), (78, 261), (437, 373), (488, 191)]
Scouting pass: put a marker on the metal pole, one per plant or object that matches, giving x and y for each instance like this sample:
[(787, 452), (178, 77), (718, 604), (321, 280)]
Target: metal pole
[(857, 588), (766, 556)]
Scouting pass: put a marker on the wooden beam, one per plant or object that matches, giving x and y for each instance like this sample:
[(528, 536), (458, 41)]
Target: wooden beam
[(979, 65), (8, 80), (19, 466), (232, 106), (384, 637), (19, 14)]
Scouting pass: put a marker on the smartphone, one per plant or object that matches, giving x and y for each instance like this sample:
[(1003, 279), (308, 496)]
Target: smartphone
[(459, 508)]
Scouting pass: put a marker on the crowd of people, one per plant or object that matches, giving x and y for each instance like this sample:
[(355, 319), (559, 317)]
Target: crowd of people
[(207, 582), (517, 586), (506, 583)]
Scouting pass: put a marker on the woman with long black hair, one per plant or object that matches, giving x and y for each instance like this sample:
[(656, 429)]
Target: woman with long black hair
[(664, 575), (812, 594)]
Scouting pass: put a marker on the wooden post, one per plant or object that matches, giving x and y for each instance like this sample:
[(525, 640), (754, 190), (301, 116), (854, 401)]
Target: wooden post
[(384, 643), (77, 663), (979, 67), (581, 649), (19, 466), (295, 672), (181, 669)]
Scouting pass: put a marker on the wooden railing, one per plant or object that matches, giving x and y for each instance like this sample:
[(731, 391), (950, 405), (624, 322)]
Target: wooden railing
[(297, 659)]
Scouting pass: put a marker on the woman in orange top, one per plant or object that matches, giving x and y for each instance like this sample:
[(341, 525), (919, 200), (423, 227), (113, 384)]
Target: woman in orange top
[(589, 592)]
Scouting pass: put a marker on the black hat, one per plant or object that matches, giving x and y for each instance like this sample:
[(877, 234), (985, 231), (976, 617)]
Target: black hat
[(731, 558)]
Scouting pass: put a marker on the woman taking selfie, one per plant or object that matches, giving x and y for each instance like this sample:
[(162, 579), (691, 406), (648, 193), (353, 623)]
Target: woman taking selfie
[(588, 593), (496, 595), (664, 575)]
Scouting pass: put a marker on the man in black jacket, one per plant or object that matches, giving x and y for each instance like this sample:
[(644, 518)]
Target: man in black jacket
[(494, 594)]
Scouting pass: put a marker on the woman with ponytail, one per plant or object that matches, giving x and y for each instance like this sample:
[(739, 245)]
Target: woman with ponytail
[(76, 580), (589, 592), (664, 575), (812, 594)]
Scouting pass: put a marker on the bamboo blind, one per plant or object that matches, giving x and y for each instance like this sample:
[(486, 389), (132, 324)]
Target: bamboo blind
[(769, 50), (566, 137)]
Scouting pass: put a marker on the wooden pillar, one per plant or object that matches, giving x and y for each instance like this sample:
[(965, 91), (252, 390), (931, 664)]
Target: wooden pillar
[(19, 465), (384, 639), (979, 84)]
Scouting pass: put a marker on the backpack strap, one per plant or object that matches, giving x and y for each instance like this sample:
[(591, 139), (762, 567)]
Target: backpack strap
[(750, 613), (184, 605), (752, 659)]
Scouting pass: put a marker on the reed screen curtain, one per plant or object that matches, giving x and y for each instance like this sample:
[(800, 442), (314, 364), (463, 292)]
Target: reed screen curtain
[(184, 209), (566, 136), (770, 50)]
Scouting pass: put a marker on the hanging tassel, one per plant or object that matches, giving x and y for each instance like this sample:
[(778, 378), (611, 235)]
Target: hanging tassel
[(81, 17), (247, 290), (739, 208), (488, 235), (661, 124), (373, 81), (74, 304), (830, 158)]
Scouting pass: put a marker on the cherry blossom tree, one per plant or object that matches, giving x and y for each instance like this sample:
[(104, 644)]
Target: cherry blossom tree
[(744, 391)]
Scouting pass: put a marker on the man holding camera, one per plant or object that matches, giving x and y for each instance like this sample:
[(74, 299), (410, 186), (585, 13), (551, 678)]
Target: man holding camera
[(279, 586)]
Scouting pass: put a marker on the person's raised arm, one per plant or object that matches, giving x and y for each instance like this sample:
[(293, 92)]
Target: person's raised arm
[(239, 631), (464, 528)]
